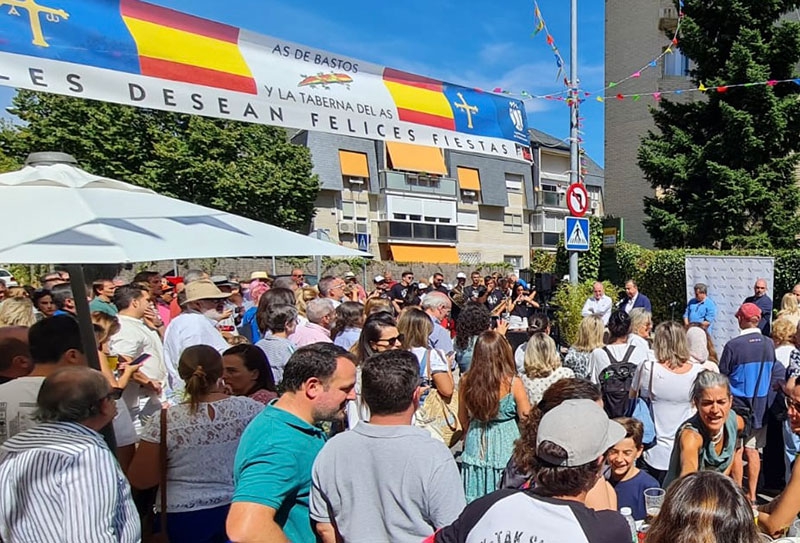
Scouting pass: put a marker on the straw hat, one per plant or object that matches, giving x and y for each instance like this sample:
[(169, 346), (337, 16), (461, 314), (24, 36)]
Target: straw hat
[(203, 289)]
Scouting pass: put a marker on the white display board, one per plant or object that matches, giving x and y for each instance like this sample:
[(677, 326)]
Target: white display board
[(730, 280)]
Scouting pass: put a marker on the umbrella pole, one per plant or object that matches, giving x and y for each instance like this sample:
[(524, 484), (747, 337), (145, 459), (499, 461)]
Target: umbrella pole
[(77, 282)]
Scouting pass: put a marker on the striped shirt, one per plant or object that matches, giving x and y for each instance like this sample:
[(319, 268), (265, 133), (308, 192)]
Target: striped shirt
[(61, 483)]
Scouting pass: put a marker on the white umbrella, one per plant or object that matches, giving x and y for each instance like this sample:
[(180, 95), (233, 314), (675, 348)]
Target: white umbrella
[(56, 212)]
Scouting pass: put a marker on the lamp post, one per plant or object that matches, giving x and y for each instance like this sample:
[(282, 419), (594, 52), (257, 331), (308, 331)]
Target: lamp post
[(574, 162)]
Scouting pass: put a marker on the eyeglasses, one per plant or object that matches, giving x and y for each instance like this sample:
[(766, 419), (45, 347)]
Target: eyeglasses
[(392, 340), (791, 404), (115, 394)]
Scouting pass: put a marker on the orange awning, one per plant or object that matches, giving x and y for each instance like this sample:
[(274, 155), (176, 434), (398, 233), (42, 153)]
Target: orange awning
[(424, 253), (354, 164), (416, 158), (469, 179)]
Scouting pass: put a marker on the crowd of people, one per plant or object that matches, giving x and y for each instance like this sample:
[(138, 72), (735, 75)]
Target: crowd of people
[(269, 410)]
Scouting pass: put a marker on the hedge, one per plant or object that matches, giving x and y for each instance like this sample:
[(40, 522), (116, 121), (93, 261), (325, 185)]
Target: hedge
[(661, 274)]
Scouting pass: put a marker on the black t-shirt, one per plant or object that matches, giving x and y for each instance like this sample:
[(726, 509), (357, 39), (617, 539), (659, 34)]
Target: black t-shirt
[(470, 292), (516, 515), (523, 310), (494, 298), (398, 292)]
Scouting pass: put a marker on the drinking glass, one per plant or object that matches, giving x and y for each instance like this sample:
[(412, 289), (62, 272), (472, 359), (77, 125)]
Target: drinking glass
[(653, 498), (794, 529)]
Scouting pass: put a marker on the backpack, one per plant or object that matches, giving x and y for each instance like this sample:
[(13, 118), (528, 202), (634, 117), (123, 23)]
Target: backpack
[(615, 383)]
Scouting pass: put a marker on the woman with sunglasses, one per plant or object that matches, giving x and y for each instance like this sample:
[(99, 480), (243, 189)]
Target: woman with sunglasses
[(667, 383), (780, 513), (378, 334)]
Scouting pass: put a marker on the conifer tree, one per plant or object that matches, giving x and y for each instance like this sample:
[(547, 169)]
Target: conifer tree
[(724, 166)]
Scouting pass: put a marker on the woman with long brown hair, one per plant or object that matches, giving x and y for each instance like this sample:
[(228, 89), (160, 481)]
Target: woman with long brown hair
[(704, 506), (202, 437), (492, 401)]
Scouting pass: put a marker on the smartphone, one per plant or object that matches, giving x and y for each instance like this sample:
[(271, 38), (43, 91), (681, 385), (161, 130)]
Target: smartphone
[(495, 320), (141, 358)]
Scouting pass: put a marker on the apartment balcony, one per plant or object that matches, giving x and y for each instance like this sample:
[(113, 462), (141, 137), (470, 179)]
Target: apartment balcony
[(556, 201), (410, 231), (417, 184), (667, 18)]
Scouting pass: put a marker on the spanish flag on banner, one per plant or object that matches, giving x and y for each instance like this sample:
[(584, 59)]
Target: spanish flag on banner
[(419, 99), (181, 47)]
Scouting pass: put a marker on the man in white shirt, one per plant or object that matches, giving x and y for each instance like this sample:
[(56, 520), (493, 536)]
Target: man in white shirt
[(55, 342), (598, 304), (197, 325), (134, 339)]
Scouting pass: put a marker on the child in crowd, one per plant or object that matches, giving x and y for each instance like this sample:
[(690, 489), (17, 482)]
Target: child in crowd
[(628, 481)]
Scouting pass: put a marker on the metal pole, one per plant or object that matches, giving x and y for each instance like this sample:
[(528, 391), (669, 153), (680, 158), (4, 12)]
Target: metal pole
[(274, 267), (77, 282), (573, 120)]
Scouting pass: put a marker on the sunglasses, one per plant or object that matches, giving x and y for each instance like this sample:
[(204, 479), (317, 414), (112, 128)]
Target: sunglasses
[(392, 340), (791, 404), (300, 275)]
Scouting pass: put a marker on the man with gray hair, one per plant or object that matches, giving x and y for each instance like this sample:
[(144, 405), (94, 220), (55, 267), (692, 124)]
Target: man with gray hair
[(65, 461), (438, 307), (321, 314), (64, 299), (701, 309), (332, 287)]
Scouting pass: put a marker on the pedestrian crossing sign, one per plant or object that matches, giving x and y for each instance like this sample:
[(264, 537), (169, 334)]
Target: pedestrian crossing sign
[(576, 233)]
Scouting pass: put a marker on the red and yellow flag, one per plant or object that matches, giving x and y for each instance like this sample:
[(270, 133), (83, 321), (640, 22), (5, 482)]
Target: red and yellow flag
[(181, 47), (419, 99)]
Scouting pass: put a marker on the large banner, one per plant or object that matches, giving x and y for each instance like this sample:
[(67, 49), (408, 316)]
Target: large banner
[(135, 53), (730, 279)]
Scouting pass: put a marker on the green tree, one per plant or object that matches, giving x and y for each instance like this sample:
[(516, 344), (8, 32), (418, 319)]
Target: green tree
[(724, 166), (248, 169)]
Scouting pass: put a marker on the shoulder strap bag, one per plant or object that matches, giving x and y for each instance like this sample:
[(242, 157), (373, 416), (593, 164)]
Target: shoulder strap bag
[(162, 536)]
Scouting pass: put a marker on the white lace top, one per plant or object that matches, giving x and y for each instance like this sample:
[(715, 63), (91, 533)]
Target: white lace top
[(200, 451)]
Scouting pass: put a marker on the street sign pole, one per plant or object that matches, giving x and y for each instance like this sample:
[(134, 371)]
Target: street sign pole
[(573, 128)]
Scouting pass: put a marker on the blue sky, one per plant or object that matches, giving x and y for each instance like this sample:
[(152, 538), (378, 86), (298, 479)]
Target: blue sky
[(469, 42)]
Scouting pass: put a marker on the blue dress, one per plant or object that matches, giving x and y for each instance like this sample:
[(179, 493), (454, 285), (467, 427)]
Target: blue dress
[(487, 449)]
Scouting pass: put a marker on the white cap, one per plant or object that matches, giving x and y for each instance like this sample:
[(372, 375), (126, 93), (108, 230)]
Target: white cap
[(423, 286), (461, 275), (379, 279)]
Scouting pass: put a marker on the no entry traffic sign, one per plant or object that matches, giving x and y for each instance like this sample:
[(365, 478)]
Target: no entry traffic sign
[(577, 199)]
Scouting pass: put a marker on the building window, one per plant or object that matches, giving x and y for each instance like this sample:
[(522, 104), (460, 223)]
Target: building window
[(356, 184), (512, 223), (676, 64), (545, 239), (514, 260), (355, 211), (468, 220), (470, 197), (514, 182)]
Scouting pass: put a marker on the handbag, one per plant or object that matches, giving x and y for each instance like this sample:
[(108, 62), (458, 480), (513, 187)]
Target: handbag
[(641, 409), (438, 417), (161, 536)]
